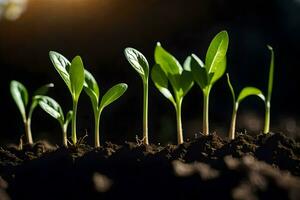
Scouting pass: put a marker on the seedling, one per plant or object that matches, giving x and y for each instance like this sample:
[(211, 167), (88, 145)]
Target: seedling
[(246, 92), (20, 95), (92, 89), (50, 106), (168, 70), (205, 75), (269, 94), (139, 62), (73, 75)]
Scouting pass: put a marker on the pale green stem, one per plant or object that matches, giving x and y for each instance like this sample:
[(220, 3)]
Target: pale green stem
[(179, 123), (28, 131), (74, 137), (233, 122), (206, 112), (145, 114), (267, 117), (65, 137), (97, 125)]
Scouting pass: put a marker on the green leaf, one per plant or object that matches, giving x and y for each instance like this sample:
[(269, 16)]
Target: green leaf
[(161, 82), (69, 117), (231, 88), (220, 72), (186, 82), (43, 89), (247, 91), (91, 87), (187, 63), (271, 74), (199, 72), (113, 94), (76, 77), (50, 106), (61, 65), (20, 95), (167, 62), (138, 61), (216, 52)]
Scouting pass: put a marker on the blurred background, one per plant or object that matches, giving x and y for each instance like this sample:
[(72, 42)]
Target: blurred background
[(99, 30)]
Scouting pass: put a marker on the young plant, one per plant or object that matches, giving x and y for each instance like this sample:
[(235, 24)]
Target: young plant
[(73, 75), (20, 95), (139, 62), (269, 94), (205, 75), (50, 106), (92, 89), (246, 92), (168, 70)]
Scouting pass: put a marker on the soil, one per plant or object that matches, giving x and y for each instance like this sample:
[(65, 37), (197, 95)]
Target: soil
[(209, 167)]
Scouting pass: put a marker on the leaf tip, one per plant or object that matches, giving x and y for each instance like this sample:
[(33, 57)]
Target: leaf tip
[(270, 47)]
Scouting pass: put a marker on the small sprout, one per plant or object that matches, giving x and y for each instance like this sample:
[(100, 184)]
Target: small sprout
[(73, 75), (205, 75), (246, 92), (51, 107), (140, 64), (21, 98), (269, 94), (92, 90), (168, 70)]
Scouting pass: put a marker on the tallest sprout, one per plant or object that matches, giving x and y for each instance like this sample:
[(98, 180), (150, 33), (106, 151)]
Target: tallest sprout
[(139, 62), (269, 94)]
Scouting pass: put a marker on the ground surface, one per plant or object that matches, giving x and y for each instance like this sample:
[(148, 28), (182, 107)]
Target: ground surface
[(248, 168)]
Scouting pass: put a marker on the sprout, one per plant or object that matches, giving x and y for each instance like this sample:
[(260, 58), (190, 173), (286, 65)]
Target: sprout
[(92, 90), (269, 94), (51, 107), (246, 92), (168, 70), (20, 96), (205, 75), (73, 75), (140, 64)]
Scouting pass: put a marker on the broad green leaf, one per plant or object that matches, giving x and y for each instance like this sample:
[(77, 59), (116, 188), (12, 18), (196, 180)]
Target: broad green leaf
[(231, 88), (20, 96), (43, 89), (138, 61), (186, 82), (187, 63), (167, 62), (161, 82), (91, 88), (76, 76), (247, 91), (199, 72), (61, 65), (216, 52), (271, 74), (113, 94), (50, 106), (219, 73)]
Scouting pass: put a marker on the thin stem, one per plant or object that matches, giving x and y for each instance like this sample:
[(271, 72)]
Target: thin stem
[(97, 125), (179, 123), (205, 113), (65, 137), (233, 122), (28, 131), (267, 117), (74, 137), (145, 114)]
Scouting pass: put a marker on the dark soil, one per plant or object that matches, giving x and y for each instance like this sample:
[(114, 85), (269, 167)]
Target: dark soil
[(209, 167)]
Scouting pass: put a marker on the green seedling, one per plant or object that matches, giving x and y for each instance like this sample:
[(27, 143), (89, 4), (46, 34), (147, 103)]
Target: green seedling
[(73, 75), (50, 106), (169, 70), (21, 98), (92, 89), (205, 75), (269, 94), (246, 92), (139, 62)]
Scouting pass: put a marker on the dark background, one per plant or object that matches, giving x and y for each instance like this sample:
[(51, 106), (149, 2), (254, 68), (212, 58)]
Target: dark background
[(99, 30)]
